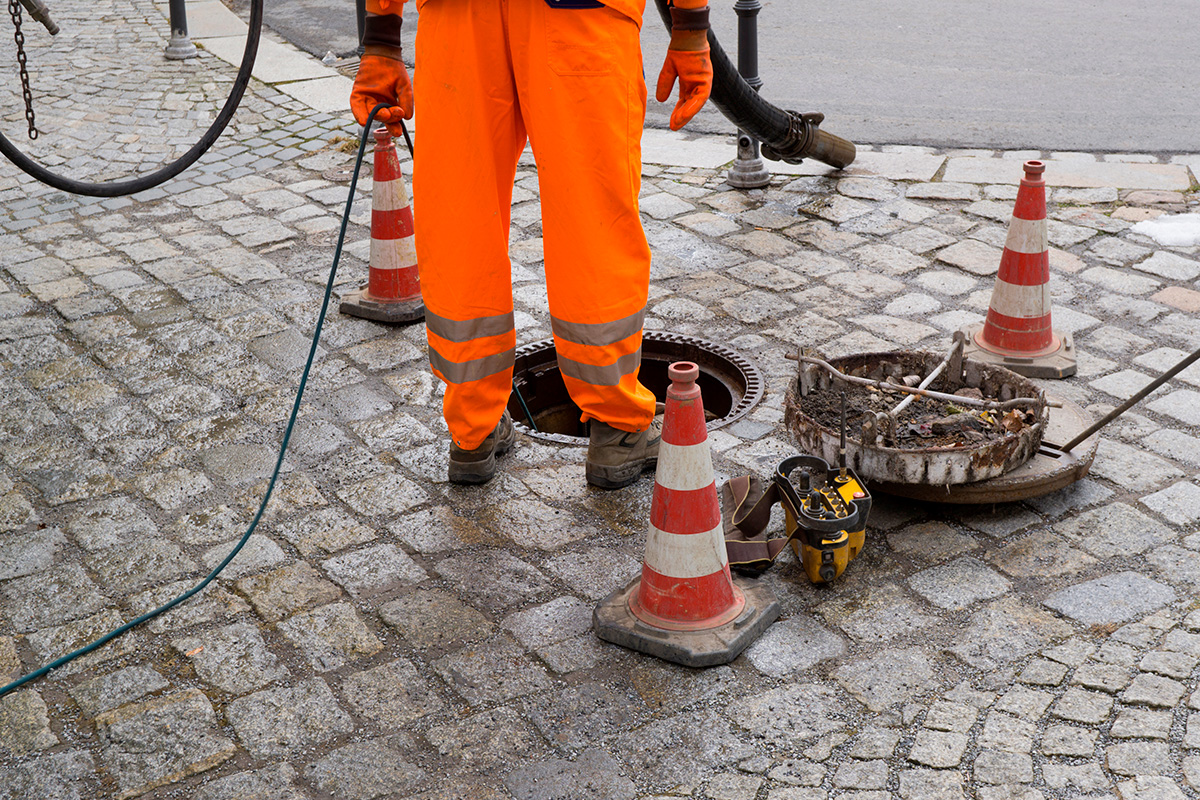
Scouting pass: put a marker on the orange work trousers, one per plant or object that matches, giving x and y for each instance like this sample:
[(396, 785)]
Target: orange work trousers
[(491, 75)]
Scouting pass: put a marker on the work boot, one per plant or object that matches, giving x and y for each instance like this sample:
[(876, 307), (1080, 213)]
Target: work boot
[(616, 458), (479, 465)]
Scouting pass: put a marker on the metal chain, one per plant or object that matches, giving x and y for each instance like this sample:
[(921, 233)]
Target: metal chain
[(14, 9)]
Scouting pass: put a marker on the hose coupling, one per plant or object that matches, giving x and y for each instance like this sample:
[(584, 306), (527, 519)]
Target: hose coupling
[(802, 135)]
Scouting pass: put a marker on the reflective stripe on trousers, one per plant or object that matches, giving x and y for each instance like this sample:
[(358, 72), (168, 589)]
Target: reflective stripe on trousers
[(494, 73)]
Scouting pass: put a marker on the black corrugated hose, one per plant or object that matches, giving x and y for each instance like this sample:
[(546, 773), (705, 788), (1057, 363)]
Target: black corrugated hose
[(785, 135), (143, 182)]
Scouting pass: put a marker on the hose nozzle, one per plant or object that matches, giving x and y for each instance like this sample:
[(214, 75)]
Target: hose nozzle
[(37, 9)]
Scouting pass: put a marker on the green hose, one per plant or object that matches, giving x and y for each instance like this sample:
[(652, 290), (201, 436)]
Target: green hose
[(287, 435)]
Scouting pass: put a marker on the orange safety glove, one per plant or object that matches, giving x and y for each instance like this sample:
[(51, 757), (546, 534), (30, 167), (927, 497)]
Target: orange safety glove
[(382, 76), (688, 61)]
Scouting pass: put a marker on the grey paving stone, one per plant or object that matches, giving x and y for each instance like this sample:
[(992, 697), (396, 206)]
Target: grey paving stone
[(792, 645), (284, 591), (54, 776), (594, 773), (366, 770), (1112, 598), (58, 595), (391, 695), (330, 636), (1150, 787), (186, 736), (325, 531), (959, 584), (577, 716), (880, 614), (1080, 777), (1139, 758), (888, 678), (115, 689), (1134, 723), (1004, 631), (29, 553), (1042, 554), (1178, 504), (1130, 466), (1078, 705), (279, 722), (939, 749), (1068, 740), (928, 784), (1105, 677), (233, 658), (374, 569), (493, 671), (435, 619), (128, 568), (998, 767), (24, 724), (1154, 690), (702, 744), (552, 622), (494, 578), (270, 783)]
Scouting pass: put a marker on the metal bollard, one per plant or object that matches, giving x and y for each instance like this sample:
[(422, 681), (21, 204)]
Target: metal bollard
[(180, 46), (749, 171)]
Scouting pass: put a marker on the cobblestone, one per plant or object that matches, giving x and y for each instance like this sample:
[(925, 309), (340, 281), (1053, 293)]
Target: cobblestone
[(384, 633)]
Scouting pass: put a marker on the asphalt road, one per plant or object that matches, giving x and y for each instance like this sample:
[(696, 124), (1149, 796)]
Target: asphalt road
[(1110, 75)]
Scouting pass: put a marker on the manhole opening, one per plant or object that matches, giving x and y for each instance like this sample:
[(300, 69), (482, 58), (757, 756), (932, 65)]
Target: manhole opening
[(729, 383)]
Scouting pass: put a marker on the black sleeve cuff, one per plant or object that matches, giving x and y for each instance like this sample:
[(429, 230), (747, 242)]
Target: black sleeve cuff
[(382, 29)]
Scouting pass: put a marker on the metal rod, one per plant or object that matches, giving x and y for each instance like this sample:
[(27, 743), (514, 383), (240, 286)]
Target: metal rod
[(954, 348), (1016, 402), (1121, 409)]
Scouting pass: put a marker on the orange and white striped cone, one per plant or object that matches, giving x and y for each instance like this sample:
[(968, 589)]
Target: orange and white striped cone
[(685, 607), (393, 289), (1017, 333)]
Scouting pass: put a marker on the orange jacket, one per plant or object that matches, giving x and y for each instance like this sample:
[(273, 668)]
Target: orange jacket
[(630, 8)]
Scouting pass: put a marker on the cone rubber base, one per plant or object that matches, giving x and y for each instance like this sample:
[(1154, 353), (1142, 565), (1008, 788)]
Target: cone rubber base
[(396, 312), (1057, 364), (614, 622)]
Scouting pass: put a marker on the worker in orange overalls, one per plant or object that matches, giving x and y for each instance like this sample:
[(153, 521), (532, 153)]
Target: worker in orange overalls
[(566, 75)]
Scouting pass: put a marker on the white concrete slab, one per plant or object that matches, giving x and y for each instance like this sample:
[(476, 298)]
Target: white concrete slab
[(209, 19), (330, 94), (276, 63), (677, 149), (1071, 173)]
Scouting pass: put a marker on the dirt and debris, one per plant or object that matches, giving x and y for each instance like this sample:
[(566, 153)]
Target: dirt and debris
[(925, 422)]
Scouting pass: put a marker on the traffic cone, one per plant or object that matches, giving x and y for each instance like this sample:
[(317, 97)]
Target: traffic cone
[(1017, 333), (685, 607), (393, 289)]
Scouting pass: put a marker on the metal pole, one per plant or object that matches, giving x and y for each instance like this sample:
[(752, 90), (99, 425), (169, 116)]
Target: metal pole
[(180, 46), (360, 14), (749, 171)]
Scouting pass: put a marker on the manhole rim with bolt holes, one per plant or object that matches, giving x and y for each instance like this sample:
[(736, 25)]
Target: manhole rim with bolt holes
[(721, 367)]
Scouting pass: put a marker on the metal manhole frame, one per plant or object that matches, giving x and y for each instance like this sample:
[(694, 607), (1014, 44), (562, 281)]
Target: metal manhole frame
[(753, 377)]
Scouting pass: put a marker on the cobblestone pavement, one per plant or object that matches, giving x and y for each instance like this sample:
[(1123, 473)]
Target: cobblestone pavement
[(385, 635)]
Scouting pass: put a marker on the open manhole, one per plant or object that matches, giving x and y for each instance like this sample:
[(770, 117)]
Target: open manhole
[(730, 384)]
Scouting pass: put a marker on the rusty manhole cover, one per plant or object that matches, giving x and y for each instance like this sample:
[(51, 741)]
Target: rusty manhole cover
[(730, 384)]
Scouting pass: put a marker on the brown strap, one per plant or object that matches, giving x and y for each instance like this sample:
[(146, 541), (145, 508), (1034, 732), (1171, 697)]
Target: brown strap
[(746, 510)]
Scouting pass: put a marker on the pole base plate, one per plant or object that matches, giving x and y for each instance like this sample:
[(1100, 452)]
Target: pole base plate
[(614, 622), (1057, 364), (394, 312)]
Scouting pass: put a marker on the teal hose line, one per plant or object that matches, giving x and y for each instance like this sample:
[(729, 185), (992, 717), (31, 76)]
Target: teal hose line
[(287, 435)]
